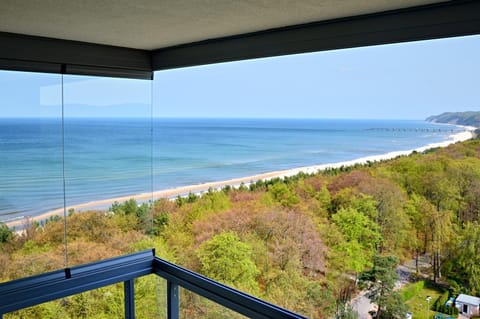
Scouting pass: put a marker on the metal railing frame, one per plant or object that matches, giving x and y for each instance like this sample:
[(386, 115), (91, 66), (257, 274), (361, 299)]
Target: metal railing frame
[(34, 290)]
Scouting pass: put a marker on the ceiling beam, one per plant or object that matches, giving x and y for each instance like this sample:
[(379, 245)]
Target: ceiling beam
[(30, 53), (448, 19)]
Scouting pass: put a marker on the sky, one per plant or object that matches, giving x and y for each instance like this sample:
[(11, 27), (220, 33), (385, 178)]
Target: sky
[(399, 81)]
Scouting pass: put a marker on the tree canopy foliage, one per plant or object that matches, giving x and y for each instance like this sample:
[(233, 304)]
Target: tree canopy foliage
[(226, 258), (298, 242)]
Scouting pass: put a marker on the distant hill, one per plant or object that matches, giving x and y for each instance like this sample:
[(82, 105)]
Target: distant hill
[(460, 118)]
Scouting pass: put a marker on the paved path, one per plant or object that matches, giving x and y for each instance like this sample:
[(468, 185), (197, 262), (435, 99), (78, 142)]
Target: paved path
[(362, 305)]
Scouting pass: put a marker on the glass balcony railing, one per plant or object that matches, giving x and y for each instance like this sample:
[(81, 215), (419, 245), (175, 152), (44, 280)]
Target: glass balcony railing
[(30, 291)]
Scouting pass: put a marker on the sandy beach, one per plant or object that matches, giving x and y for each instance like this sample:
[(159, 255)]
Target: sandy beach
[(184, 190)]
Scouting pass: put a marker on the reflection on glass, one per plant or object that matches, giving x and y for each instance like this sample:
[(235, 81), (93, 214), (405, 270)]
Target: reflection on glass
[(107, 164), (30, 170), (31, 141), (85, 138)]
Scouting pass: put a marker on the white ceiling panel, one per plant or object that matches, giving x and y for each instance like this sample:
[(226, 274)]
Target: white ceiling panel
[(153, 24)]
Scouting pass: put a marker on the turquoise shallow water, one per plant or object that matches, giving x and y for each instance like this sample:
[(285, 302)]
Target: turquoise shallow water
[(107, 158)]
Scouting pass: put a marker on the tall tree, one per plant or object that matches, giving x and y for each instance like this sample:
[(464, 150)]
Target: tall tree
[(395, 308), (442, 232), (418, 209), (440, 188), (380, 281), (361, 237), (225, 257), (464, 266), (391, 217)]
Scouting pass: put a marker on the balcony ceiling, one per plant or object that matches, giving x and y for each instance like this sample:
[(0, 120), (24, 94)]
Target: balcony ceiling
[(133, 38), (155, 24)]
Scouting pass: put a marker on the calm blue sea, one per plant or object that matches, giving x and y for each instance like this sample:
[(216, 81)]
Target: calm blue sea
[(106, 158)]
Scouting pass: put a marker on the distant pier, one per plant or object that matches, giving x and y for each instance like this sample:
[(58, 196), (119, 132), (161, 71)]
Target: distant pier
[(397, 129)]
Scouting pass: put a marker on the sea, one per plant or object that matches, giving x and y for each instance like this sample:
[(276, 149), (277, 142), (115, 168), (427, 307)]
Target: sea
[(109, 157)]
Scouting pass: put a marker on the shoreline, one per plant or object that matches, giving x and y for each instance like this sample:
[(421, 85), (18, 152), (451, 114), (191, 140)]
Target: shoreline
[(235, 182)]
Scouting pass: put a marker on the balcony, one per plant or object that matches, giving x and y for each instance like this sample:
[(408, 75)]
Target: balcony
[(46, 287), (25, 47)]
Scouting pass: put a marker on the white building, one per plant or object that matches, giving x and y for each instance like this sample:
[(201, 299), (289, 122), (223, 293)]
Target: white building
[(468, 305)]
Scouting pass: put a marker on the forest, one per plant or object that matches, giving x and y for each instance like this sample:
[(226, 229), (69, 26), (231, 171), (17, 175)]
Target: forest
[(302, 242)]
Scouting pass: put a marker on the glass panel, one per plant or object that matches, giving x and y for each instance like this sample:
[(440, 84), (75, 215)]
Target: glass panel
[(290, 242), (107, 165), (106, 302), (31, 172), (151, 297), (197, 307)]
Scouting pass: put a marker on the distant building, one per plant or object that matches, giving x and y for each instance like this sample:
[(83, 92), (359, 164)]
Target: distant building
[(468, 305)]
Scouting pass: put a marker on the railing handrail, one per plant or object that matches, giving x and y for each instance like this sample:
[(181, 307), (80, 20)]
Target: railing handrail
[(31, 291), (224, 295)]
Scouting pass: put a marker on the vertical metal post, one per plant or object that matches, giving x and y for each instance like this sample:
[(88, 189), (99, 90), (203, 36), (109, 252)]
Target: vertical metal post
[(129, 295), (173, 303)]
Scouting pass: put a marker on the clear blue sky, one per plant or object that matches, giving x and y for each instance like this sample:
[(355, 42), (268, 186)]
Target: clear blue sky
[(400, 81)]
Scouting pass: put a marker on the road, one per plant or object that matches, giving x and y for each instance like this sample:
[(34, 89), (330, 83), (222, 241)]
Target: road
[(362, 305)]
